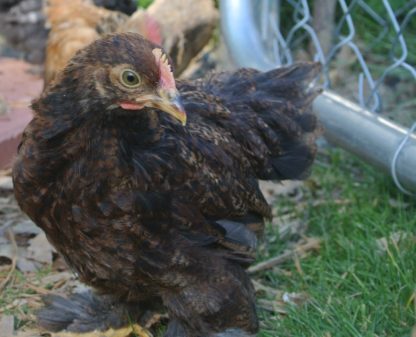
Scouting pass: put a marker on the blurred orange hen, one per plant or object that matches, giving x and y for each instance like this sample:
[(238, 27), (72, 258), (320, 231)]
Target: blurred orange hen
[(77, 23)]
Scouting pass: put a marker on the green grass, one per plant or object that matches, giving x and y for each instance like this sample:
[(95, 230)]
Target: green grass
[(18, 299), (144, 3), (354, 288)]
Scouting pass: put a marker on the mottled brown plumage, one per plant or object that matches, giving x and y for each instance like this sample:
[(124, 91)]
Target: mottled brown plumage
[(146, 209)]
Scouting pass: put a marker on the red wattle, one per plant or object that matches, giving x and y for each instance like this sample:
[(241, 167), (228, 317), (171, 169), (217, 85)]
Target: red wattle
[(131, 106)]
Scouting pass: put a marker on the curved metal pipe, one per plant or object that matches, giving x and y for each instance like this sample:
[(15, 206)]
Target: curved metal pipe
[(372, 138)]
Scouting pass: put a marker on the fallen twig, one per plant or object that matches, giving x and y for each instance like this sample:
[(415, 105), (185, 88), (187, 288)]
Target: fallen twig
[(154, 319), (272, 306), (38, 290), (4, 283), (268, 290), (298, 265), (310, 244)]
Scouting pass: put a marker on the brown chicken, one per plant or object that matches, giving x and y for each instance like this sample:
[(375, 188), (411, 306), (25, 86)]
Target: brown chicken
[(77, 23), (149, 187)]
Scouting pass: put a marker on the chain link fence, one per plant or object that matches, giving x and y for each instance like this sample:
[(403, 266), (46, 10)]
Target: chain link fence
[(367, 49)]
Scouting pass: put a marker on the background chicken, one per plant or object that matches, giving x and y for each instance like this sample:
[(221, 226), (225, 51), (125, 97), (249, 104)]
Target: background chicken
[(183, 27), (23, 25), (147, 210)]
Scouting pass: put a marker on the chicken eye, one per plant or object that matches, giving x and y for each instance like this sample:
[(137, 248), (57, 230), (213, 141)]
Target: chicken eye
[(130, 78)]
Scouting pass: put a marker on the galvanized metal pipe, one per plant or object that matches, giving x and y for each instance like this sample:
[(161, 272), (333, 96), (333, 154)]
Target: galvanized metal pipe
[(369, 136)]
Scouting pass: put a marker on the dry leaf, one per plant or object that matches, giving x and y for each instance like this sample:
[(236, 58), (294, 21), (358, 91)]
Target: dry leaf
[(28, 333), (295, 298), (25, 265), (6, 183), (273, 190), (6, 254), (40, 249), (134, 329), (26, 228), (300, 249), (288, 227), (6, 325), (272, 306), (394, 238), (56, 278), (259, 287), (59, 264)]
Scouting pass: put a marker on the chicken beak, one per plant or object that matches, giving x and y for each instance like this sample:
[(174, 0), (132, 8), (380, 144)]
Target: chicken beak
[(170, 103), (167, 101)]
